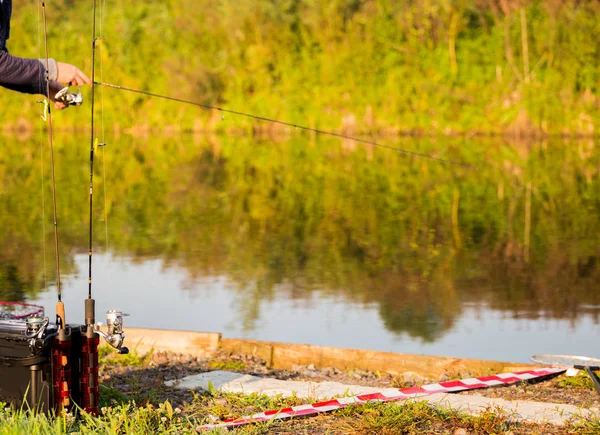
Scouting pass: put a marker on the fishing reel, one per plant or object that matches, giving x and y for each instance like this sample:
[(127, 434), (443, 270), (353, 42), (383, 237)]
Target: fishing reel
[(36, 326), (115, 335), (69, 98)]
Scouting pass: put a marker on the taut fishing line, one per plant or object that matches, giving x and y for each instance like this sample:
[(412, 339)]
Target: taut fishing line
[(288, 124)]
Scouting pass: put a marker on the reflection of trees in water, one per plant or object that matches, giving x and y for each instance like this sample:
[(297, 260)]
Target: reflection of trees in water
[(12, 288), (559, 287), (23, 257), (415, 238), (421, 308)]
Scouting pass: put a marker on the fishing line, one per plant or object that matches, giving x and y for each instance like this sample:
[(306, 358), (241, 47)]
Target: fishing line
[(288, 124), (59, 306)]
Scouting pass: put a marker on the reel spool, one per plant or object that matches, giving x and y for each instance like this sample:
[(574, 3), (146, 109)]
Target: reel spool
[(114, 335), (69, 98)]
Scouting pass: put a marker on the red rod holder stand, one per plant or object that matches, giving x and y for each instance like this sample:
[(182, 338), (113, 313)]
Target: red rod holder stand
[(61, 370), (89, 373)]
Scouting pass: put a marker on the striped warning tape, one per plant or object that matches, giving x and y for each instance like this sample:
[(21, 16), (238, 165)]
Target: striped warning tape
[(387, 395)]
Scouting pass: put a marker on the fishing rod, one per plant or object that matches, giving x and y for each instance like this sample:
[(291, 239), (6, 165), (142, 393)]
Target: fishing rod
[(85, 356), (90, 338), (60, 307), (90, 304), (61, 355), (288, 124), (114, 318), (115, 336)]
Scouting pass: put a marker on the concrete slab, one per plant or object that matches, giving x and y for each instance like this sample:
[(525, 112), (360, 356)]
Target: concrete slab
[(247, 384), (517, 410), (473, 404)]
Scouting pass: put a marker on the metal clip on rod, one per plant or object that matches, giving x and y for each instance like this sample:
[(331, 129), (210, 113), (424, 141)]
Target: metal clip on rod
[(115, 335)]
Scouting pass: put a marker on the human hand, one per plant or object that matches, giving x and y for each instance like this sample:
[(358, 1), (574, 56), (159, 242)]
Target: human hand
[(54, 88), (71, 75)]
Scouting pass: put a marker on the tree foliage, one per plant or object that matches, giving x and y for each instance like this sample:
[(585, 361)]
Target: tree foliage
[(386, 66)]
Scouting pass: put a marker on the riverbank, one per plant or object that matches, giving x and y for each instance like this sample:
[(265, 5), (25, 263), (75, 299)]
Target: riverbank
[(152, 370), (142, 379), (135, 398), (148, 378)]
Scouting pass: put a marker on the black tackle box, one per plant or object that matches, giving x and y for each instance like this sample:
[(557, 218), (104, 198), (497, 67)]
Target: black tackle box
[(28, 377)]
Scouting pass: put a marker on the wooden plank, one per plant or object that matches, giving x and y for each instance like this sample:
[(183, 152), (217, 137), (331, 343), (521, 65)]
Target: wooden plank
[(284, 356), (186, 342), (262, 349)]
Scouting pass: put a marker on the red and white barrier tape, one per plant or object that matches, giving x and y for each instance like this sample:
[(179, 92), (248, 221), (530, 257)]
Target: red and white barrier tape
[(387, 395)]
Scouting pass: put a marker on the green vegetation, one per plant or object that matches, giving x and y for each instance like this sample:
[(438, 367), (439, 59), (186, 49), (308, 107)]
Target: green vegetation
[(369, 66), (227, 365), (582, 380), (107, 355), (420, 417), (373, 418), (110, 396)]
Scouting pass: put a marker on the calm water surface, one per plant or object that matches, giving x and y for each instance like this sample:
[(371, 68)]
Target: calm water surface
[(321, 242)]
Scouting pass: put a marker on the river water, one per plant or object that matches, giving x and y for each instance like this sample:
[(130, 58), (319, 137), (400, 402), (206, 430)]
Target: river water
[(320, 242)]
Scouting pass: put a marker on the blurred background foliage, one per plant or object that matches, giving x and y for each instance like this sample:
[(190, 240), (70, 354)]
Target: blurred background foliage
[(360, 66)]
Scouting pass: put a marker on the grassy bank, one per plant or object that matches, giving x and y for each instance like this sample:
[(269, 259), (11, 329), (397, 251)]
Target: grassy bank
[(134, 400), (406, 418), (376, 66)]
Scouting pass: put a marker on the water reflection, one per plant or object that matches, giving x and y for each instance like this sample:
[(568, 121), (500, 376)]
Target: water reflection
[(153, 294), (415, 241)]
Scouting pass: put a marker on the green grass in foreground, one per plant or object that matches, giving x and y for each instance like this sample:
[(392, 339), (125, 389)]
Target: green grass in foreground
[(107, 356), (582, 380), (119, 417)]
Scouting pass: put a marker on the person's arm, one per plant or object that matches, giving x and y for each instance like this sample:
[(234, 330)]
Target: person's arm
[(38, 89), (29, 75), (25, 75)]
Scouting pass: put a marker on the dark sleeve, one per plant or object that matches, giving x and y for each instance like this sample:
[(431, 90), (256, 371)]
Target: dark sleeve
[(38, 88), (20, 74)]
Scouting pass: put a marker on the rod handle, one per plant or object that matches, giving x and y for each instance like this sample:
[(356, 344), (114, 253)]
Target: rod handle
[(90, 312), (60, 313)]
